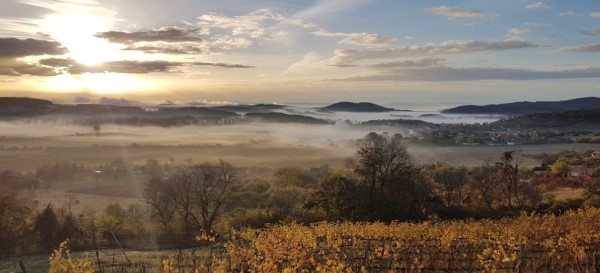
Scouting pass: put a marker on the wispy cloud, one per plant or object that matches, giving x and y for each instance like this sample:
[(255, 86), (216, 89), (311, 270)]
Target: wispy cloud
[(440, 74), (580, 49), (590, 32), (349, 56), (224, 65), (355, 38), (14, 67), (329, 7), (456, 12), (421, 63), (167, 49), (14, 47), (595, 14), (516, 33), (538, 5), (170, 34), (570, 13)]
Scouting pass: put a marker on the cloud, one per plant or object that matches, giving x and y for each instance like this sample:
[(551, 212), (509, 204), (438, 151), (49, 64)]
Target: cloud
[(595, 14), (238, 32), (538, 5), (228, 42), (590, 32), (167, 49), (250, 25), (456, 12), (133, 67), (359, 39), (330, 7), (170, 34), (224, 65), (570, 13), (349, 56), (440, 74), (516, 33), (580, 49), (425, 62), (14, 67), (14, 47), (58, 62)]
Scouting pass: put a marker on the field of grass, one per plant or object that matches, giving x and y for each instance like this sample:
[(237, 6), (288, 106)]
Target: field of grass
[(25, 146)]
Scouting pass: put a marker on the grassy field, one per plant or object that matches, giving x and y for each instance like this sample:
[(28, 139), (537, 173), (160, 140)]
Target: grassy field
[(25, 146)]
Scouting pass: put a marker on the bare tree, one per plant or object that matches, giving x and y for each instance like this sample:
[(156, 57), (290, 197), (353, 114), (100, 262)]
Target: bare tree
[(157, 196), (452, 180), (198, 194), (509, 175), (215, 184), (485, 182)]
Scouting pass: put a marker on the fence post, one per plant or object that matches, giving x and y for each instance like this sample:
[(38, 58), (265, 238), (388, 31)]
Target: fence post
[(22, 266), (97, 254), (120, 247)]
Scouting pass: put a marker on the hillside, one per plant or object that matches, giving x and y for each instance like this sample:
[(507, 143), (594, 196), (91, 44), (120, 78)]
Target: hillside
[(24, 107), (399, 122), (196, 112), (554, 119), (284, 118), (355, 107), (525, 107), (97, 109), (250, 108)]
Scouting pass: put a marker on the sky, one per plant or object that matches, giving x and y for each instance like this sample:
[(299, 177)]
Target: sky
[(296, 51)]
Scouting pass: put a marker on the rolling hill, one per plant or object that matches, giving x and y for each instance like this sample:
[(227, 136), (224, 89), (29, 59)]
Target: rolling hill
[(525, 107), (585, 117), (355, 107)]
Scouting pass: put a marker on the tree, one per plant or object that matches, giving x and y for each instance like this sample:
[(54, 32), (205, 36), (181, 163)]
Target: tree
[(560, 168), (395, 185), (199, 194), (452, 180), (157, 196), (485, 183), (283, 200), (14, 216), (509, 175), (46, 228), (340, 197)]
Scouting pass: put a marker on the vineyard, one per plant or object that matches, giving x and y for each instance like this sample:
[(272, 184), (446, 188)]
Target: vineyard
[(529, 243)]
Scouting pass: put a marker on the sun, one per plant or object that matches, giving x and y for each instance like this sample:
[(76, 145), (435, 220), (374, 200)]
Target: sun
[(76, 32)]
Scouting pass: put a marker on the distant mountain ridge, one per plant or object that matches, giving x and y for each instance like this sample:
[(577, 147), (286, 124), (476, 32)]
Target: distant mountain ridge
[(355, 107), (525, 107), (554, 119)]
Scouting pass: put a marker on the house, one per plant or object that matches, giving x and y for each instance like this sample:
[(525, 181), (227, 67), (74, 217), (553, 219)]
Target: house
[(579, 171)]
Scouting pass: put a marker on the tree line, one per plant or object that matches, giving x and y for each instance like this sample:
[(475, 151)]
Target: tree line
[(380, 183)]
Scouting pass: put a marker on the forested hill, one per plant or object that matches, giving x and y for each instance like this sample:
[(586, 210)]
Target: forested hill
[(525, 107), (355, 107), (588, 117), (24, 107)]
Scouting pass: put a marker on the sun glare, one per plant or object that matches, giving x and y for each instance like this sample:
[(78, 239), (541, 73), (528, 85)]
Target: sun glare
[(100, 83), (76, 32)]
